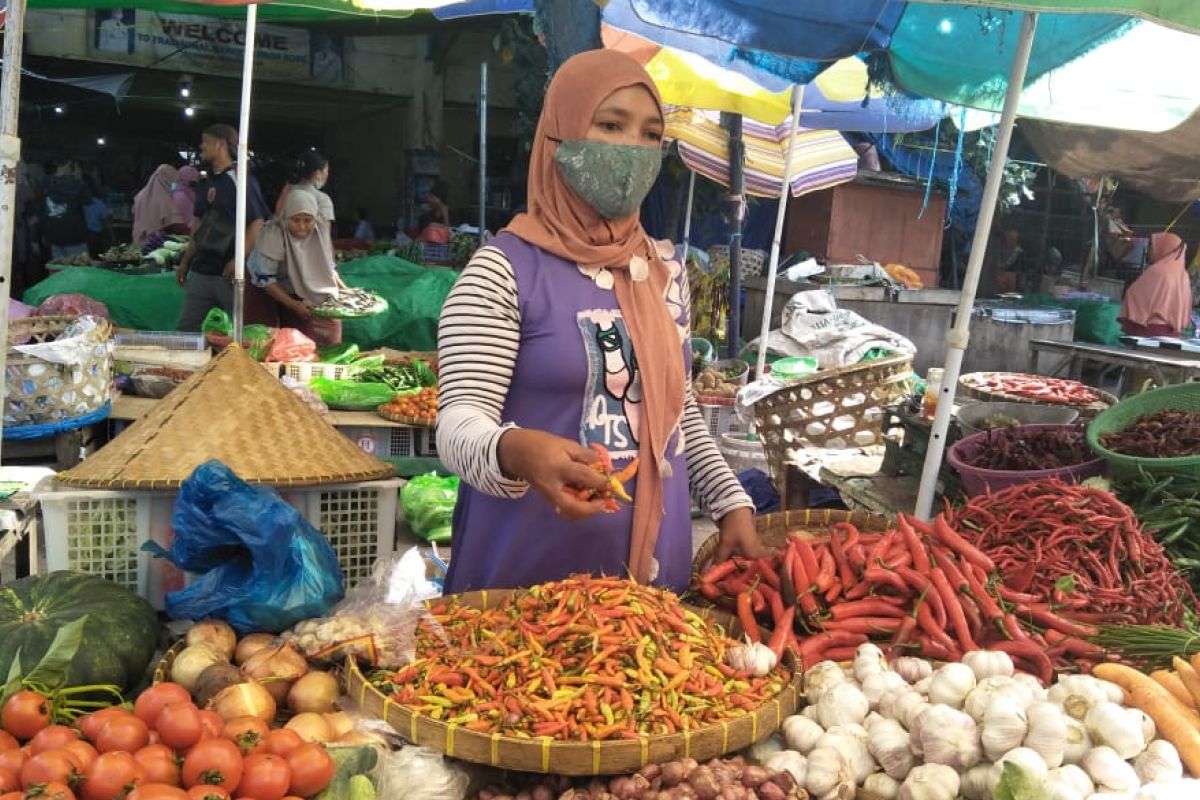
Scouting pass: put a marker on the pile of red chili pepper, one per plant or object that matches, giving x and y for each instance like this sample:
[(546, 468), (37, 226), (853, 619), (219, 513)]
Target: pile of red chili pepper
[(584, 659), (1037, 387), (921, 588), (1014, 449), (1081, 549), (1169, 433)]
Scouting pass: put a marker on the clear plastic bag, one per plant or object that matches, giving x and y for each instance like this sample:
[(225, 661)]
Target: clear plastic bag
[(257, 340), (306, 394), (416, 773)]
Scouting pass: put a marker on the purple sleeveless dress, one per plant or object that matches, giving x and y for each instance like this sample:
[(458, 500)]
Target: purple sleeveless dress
[(575, 376)]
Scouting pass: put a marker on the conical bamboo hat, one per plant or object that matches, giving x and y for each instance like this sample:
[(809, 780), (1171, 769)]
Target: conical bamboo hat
[(234, 411)]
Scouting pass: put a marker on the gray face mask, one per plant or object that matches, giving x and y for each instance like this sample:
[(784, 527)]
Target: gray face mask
[(613, 179)]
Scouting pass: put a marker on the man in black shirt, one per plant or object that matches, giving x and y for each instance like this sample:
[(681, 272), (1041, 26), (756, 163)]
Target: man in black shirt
[(206, 271)]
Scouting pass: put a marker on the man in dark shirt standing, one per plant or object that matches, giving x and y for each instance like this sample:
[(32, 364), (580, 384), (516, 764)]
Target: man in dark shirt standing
[(206, 271)]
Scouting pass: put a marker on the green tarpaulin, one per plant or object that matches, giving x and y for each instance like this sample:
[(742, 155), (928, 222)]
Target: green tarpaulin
[(142, 302), (275, 11)]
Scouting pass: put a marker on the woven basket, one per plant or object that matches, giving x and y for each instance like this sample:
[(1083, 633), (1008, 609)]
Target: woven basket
[(39, 392), (546, 755), (401, 419), (162, 670), (773, 529), (1182, 396), (967, 387)]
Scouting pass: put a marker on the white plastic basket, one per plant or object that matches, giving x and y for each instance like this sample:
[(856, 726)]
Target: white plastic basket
[(720, 415), (742, 454), (390, 442), (101, 532), (304, 371), (171, 340)]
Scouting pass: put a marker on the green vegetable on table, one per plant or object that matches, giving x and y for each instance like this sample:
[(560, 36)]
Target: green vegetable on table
[(350, 762), (415, 376), (1169, 507)]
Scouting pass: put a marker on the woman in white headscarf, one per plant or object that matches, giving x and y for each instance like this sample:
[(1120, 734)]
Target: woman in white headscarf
[(292, 270)]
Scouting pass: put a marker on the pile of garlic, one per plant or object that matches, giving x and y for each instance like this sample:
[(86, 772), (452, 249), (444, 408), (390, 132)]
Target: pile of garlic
[(906, 731)]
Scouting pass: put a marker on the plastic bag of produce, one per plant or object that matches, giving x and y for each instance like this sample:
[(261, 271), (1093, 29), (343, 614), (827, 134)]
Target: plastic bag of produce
[(217, 322), (352, 395), (71, 305), (416, 773), (338, 353), (290, 344), (257, 340), (428, 503), (258, 564)]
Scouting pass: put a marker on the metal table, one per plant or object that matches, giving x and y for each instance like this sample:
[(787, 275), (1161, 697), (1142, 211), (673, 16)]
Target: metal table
[(19, 537), (1164, 369)]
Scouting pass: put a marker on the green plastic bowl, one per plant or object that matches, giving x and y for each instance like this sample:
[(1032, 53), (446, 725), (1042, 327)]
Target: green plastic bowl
[(1182, 397), (796, 367)]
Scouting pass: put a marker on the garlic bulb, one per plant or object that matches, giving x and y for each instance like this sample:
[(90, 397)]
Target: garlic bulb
[(790, 762), (987, 690), (763, 749), (1031, 684), (923, 685), (801, 733), (1142, 720), (850, 741), (810, 712), (887, 703), (908, 707), (1114, 693), (1165, 790), (988, 663), (1079, 742), (912, 669), (875, 686), (930, 782), (820, 679), (1057, 790), (868, 661), (1109, 724), (1030, 763), (872, 719), (1158, 762), (843, 704), (890, 746), (826, 772), (753, 657), (1004, 727), (951, 684), (1077, 694), (1074, 777), (1109, 771), (1047, 735), (882, 785), (978, 782), (949, 737)]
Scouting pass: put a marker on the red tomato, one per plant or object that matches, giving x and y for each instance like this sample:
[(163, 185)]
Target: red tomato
[(158, 791), (154, 699), (159, 764), (52, 791), (312, 769), (213, 762), (83, 753), (203, 792), (248, 733), (127, 733), (9, 781), (52, 765), (92, 724), (264, 777), (12, 796), (213, 724), (113, 775), (178, 725), (13, 760), (283, 741), (52, 738), (7, 741), (25, 713)]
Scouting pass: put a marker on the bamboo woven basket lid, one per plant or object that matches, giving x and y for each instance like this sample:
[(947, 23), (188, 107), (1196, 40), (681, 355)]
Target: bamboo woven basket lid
[(232, 410)]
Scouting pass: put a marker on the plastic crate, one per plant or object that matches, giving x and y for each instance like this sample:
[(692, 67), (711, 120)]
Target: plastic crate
[(720, 415), (102, 532), (390, 442), (436, 253), (171, 340), (304, 371)]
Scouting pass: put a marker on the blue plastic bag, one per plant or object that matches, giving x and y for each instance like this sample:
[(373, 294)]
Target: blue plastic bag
[(260, 565)]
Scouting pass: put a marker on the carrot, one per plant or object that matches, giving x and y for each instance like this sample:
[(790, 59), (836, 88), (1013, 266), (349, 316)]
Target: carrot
[(1196, 662), (1189, 678), (1170, 681), (1173, 720)]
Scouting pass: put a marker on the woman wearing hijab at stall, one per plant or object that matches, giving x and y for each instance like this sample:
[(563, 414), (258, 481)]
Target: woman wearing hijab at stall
[(570, 330), (154, 209), (1159, 303), (292, 271), (184, 194)]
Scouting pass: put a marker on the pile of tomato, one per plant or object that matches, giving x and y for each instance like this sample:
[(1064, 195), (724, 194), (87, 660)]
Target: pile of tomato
[(165, 749), (419, 407)]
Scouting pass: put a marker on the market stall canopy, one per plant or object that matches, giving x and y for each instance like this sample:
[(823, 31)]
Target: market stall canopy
[(273, 11), (820, 159), (1165, 166), (232, 410)]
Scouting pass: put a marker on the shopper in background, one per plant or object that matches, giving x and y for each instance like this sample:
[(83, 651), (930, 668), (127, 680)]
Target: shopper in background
[(65, 195), (155, 209), (183, 194), (96, 218), (1159, 303), (310, 174), (364, 231), (206, 271)]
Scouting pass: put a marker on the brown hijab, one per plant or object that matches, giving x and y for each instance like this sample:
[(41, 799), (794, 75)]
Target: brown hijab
[(560, 222)]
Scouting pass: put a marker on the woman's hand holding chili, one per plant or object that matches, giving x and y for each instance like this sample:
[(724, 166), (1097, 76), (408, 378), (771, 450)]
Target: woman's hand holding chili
[(738, 535), (553, 466)]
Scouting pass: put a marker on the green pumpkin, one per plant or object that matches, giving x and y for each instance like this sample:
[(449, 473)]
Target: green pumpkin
[(119, 637)]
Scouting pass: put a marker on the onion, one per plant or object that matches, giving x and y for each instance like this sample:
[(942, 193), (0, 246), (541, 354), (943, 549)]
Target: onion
[(315, 692), (311, 727), (340, 723), (251, 644), (216, 634), (246, 699), (276, 668), (213, 679), (356, 737), (191, 661)]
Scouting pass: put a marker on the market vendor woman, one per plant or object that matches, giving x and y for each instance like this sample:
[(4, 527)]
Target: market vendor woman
[(570, 329)]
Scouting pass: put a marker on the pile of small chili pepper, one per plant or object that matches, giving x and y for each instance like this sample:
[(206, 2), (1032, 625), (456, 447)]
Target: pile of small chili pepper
[(1013, 449), (1169, 433), (1037, 387), (584, 659), (919, 588), (1049, 536), (616, 481)]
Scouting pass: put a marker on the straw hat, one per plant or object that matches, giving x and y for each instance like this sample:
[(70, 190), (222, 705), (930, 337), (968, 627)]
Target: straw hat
[(234, 411)]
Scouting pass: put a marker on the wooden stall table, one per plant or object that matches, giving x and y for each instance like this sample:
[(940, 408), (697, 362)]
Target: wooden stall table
[(1165, 345), (1164, 369)]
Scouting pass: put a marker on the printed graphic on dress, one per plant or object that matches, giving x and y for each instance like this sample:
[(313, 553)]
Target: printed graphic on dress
[(613, 402)]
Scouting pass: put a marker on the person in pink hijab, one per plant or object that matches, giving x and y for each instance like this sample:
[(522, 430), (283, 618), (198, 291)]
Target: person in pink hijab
[(184, 195), (154, 209), (1159, 303)]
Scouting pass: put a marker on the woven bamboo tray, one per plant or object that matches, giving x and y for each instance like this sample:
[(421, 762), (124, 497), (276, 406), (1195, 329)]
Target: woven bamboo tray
[(967, 387), (38, 392), (546, 755), (162, 670), (400, 419)]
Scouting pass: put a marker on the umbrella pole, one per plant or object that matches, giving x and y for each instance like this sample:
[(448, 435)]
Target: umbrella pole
[(780, 215), (737, 203), (959, 334), (483, 134), (10, 156), (687, 219), (243, 174)]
